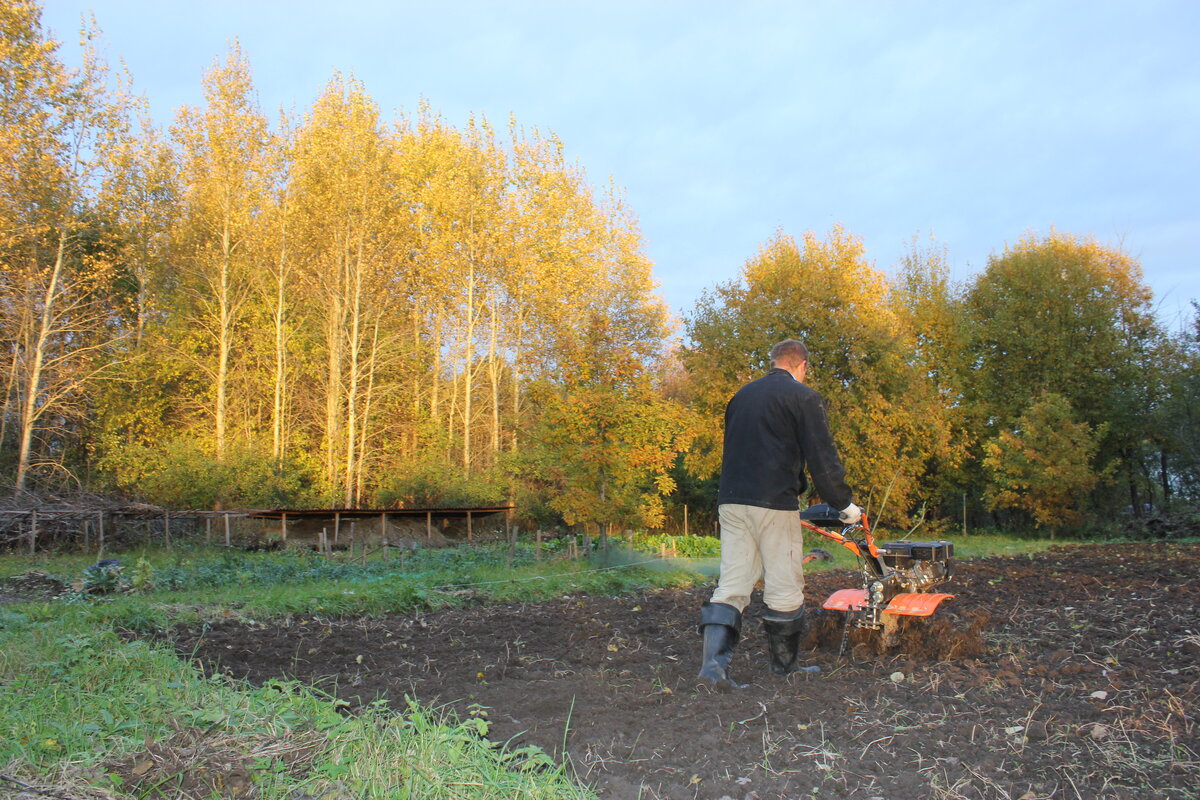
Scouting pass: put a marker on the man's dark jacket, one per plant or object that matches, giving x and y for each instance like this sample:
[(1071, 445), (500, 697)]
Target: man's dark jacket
[(773, 427)]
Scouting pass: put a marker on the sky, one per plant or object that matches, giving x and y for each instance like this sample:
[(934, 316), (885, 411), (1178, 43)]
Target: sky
[(972, 123)]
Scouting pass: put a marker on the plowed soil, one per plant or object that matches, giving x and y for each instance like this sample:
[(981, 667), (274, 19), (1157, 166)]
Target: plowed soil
[(1069, 674)]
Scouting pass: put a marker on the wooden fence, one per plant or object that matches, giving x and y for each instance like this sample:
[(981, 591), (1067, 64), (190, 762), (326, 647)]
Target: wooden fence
[(29, 530)]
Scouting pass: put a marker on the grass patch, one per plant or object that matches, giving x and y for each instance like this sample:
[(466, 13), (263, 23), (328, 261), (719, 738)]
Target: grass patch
[(82, 708)]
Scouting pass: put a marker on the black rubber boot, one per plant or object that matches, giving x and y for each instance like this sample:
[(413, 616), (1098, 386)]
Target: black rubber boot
[(721, 627), (785, 630)]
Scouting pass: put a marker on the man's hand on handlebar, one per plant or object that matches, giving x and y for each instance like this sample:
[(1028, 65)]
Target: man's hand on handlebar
[(850, 515)]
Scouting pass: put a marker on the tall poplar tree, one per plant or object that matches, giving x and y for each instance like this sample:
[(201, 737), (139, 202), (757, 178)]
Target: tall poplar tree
[(226, 165), (354, 263)]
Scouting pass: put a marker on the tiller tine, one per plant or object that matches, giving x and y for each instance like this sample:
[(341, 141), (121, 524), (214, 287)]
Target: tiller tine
[(913, 604), (846, 600)]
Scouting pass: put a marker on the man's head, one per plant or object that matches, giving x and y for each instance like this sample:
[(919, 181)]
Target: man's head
[(792, 355)]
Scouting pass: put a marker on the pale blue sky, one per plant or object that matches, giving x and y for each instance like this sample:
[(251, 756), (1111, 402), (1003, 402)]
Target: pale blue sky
[(973, 122)]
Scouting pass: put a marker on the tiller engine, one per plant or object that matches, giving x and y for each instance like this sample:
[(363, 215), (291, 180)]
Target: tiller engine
[(897, 577)]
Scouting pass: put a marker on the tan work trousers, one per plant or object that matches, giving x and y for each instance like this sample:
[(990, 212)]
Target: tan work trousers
[(760, 543)]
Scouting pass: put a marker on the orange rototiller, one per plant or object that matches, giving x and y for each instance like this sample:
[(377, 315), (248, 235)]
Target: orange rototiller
[(897, 577)]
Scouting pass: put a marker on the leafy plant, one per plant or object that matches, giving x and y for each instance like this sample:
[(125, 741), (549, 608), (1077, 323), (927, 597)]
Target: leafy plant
[(142, 581), (105, 577)]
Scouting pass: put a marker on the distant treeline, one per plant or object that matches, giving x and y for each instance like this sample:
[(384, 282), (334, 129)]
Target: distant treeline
[(338, 309)]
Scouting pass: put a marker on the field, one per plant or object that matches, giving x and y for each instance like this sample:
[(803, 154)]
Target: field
[(1069, 673)]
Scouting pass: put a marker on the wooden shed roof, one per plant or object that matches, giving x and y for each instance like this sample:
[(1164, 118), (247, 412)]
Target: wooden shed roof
[(442, 512)]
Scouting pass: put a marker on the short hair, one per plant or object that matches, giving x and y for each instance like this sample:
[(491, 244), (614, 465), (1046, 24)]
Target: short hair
[(788, 353)]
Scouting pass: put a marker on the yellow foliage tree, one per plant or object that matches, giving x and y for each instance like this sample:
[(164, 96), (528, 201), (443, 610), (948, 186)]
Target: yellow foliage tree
[(56, 281), (1044, 465), (225, 172), (886, 415)]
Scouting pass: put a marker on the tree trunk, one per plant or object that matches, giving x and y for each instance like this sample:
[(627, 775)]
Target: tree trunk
[(355, 276), (410, 441), (280, 377), (366, 415), (1133, 492), (33, 381), (1163, 479), (224, 336), (451, 414), (516, 383), (434, 394), (468, 357), (8, 389), (333, 378), (494, 375)]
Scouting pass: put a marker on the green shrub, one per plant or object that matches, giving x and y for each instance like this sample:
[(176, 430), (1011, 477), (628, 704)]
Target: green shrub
[(430, 482), (678, 546), (182, 473)]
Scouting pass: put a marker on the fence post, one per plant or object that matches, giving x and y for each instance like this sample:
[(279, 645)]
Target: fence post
[(100, 534), (33, 531), (228, 541), (167, 528)]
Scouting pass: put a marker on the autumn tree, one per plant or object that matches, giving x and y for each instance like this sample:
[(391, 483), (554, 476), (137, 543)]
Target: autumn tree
[(931, 311), (886, 415), (1044, 465), (607, 438), (225, 168), (350, 232), (470, 246), (1177, 417), (557, 228), (275, 287), (56, 280), (1066, 315), (370, 298), (138, 204)]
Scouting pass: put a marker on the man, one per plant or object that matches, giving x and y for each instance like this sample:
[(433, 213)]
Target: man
[(774, 427)]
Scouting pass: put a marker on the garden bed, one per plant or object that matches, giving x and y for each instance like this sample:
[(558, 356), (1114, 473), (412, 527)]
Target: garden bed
[(1074, 673)]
